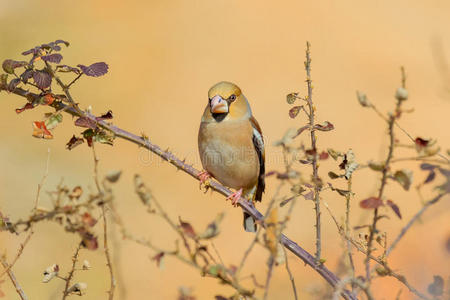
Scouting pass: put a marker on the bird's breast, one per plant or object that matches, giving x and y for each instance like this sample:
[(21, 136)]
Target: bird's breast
[(227, 152)]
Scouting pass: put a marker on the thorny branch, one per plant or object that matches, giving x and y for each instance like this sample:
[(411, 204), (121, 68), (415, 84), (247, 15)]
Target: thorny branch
[(316, 180)]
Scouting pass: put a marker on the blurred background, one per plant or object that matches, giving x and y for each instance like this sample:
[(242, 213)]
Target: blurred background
[(163, 57)]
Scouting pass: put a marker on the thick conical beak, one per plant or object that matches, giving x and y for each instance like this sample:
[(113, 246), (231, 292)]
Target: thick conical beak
[(218, 105)]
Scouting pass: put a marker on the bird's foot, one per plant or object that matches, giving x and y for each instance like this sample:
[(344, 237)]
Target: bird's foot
[(235, 197), (204, 176)]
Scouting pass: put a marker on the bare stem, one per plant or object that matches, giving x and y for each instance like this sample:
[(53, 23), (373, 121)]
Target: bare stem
[(13, 279), (71, 273), (411, 222), (107, 255), (314, 149)]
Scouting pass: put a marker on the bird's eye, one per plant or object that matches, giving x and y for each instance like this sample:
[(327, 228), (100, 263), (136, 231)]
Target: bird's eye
[(232, 97)]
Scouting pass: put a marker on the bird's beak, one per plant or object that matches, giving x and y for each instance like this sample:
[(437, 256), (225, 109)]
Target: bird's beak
[(218, 105)]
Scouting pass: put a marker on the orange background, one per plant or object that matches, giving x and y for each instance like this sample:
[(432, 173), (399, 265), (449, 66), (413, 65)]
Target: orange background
[(163, 57)]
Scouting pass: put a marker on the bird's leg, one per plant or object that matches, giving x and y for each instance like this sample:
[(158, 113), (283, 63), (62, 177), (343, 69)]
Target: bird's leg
[(235, 197)]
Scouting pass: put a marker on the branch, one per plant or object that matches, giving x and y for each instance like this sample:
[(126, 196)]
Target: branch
[(305, 256), (314, 148), (14, 280)]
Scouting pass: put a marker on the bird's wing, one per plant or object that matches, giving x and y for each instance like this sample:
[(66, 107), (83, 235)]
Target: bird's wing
[(258, 142)]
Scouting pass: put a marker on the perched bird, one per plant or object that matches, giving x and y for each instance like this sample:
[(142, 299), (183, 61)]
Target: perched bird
[(231, 145)]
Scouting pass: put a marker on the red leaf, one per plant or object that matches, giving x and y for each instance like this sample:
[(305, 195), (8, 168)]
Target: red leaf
[(293, 112), (327, 126), (48, 99), (24, 108), (324, 155), (88, 219), (421, 142), (395, 208), (372, 202), (89, 241), (187, 229), (41, 131)]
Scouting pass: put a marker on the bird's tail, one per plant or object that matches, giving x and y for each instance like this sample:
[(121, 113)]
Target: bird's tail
[(249, 223)]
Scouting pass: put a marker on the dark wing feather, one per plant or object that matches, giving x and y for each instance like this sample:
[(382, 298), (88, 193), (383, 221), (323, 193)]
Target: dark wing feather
[(258, 142)]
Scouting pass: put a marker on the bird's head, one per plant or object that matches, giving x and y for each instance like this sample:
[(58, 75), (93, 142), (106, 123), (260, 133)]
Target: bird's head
[(226, 100)]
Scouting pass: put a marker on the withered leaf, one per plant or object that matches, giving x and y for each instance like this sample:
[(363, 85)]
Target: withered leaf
[(106, 116), (73, 142), (28, 105), (213, 228), (94, 70), (333, 175), (187, 229), (88, 220), (404, 177), (323, 155), (421, 142), (290, 98), (293, 112), (41, 131), (371, 202), (76, 192), (326, 126), (158, 258), (86, 122), (89, 241), (394, 207)]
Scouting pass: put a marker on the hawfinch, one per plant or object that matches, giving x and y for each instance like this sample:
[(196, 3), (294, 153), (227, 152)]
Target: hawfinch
[(231, 145)]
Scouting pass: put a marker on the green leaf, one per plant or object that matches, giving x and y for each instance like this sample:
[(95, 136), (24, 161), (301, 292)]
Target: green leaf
[(404, 177), (333, 175), (290, 98), (53, 120), (362, 98)]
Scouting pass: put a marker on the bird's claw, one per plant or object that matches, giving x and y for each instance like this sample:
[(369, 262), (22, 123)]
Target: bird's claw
[(203, 176), (235, 197)]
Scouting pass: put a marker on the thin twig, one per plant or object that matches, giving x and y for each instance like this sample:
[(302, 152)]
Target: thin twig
[(44, 178), (291, 277), (269, 276), (108, 257), (411, 222), (14, 281), (72, 271), (19, 253), (314, 149)]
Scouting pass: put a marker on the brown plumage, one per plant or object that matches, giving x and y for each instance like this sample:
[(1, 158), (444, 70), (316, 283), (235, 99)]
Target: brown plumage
[(231, 145)]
